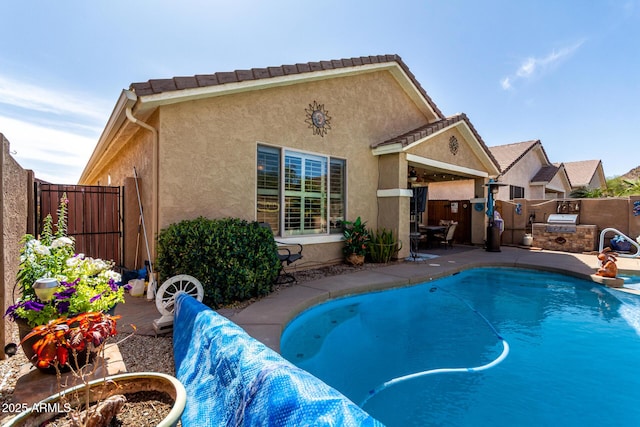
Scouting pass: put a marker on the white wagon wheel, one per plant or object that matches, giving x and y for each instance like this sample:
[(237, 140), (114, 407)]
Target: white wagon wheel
[(165, 296)]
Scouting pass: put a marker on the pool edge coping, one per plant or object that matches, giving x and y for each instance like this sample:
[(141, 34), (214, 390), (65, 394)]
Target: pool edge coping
[(266, 319)]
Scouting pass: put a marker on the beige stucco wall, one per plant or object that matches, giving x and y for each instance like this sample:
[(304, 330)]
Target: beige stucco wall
[(207, 152), (437, 148), (604, 213), (520, 175), (208, 147), (454, 190), (598, 180), (16, 183), (118, 170), (560, 185)]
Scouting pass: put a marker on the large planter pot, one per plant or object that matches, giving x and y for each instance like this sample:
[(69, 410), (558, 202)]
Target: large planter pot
[(355, 259), (102, 388)]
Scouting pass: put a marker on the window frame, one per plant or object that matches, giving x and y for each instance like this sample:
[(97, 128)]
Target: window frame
[(512, 191), (326, 235)]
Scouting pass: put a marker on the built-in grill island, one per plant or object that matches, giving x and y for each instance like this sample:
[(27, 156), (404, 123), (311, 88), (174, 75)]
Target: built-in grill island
[(562, 230)]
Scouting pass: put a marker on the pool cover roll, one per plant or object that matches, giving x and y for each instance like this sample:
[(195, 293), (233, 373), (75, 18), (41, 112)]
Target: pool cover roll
[(234, 380)]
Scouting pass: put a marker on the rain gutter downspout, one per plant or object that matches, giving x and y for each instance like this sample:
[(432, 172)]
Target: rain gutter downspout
[(154, 167)]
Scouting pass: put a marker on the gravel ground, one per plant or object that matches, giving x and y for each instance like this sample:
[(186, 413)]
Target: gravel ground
[(157, 351)]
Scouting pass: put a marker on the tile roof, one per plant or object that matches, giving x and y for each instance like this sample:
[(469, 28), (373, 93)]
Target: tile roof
[(580, 173), (509, 154), (422, 132), (429, 129), (157, 86), (545, 174)]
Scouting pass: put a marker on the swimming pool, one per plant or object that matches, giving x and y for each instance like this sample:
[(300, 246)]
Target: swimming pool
[(573, 359)]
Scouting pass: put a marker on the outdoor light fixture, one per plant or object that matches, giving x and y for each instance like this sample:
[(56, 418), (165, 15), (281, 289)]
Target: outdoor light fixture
[(413, 174), (45, 288)]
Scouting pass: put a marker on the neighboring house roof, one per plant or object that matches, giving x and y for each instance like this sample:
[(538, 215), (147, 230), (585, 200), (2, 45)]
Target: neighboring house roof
[(581, 173), (509, 154), (158, 86), (545, 174)]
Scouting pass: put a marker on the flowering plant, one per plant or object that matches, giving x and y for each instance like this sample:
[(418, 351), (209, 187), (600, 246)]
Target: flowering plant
[(85, 284), (356, 237)]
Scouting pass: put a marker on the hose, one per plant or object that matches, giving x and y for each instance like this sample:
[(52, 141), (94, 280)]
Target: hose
[(398, 380)]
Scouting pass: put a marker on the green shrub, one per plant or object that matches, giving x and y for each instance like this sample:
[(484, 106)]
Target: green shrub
[(383, 245), (235, 260)]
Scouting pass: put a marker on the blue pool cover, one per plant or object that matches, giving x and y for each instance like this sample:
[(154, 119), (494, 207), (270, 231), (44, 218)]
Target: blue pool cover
[(234, 380)]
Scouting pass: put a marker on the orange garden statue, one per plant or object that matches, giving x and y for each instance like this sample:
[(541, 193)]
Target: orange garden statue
[(608, 260)]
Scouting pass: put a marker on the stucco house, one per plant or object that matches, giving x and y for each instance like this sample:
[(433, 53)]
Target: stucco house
[(528, 173), (301, 147), (588, 174)]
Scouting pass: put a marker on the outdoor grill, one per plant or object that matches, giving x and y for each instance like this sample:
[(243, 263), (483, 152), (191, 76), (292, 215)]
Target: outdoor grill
[(562, 223), (562, 230)]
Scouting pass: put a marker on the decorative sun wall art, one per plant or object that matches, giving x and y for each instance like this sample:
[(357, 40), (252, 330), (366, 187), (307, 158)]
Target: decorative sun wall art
[(318, 119)]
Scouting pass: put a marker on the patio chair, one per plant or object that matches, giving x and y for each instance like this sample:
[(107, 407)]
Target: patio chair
[(288, 253), (446, 238)]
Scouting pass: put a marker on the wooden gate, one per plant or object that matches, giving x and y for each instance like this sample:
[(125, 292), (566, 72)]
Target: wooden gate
[(448, 210), (94, 217)]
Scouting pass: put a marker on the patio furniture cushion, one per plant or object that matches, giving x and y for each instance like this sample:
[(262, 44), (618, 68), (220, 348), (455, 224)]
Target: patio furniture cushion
[(232, 379)]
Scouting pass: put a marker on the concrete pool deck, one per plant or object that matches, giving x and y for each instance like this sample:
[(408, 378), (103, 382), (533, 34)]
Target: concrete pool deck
[(266, 319)]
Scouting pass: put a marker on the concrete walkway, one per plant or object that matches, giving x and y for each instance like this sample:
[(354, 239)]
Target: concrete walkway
[(266, 319)]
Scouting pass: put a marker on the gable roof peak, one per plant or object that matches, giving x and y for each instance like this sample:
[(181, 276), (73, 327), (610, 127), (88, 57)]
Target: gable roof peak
[(508, 155)]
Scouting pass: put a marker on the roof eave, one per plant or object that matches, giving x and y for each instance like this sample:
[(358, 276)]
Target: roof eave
[(117, 118), (480, 149), (149, 102)]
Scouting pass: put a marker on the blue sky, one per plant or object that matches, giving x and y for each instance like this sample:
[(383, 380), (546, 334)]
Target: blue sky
[(565, 72)]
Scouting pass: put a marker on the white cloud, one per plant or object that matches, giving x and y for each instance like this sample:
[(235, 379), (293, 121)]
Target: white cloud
[(51, 131), (532, 67), (24, 95), (57, 156)]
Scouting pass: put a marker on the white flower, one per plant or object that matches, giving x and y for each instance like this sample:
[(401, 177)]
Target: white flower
[(41, 249), (74, 261), (113, 275), (61, 242)]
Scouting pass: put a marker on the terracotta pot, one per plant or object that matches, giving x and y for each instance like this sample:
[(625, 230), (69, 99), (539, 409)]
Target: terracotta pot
[(355, 259), (102, 388)]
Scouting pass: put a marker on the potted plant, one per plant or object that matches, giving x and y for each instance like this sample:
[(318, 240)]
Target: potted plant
[(95, 402), (356, 240), (383, 245), (56, 282)]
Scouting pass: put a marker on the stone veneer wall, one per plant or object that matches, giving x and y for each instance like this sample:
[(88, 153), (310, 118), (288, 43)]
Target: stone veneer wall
[(583, 240)]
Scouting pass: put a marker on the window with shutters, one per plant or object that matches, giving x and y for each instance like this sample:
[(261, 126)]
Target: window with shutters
[(300, 193)]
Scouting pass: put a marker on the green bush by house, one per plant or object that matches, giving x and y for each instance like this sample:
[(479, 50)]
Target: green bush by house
[(235, 260)]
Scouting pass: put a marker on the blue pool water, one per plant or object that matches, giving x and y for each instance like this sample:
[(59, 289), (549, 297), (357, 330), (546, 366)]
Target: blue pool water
[(574, 356)]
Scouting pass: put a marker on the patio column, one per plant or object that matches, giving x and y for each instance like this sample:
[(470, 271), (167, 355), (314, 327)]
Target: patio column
[(394, 198), (478, 213)]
